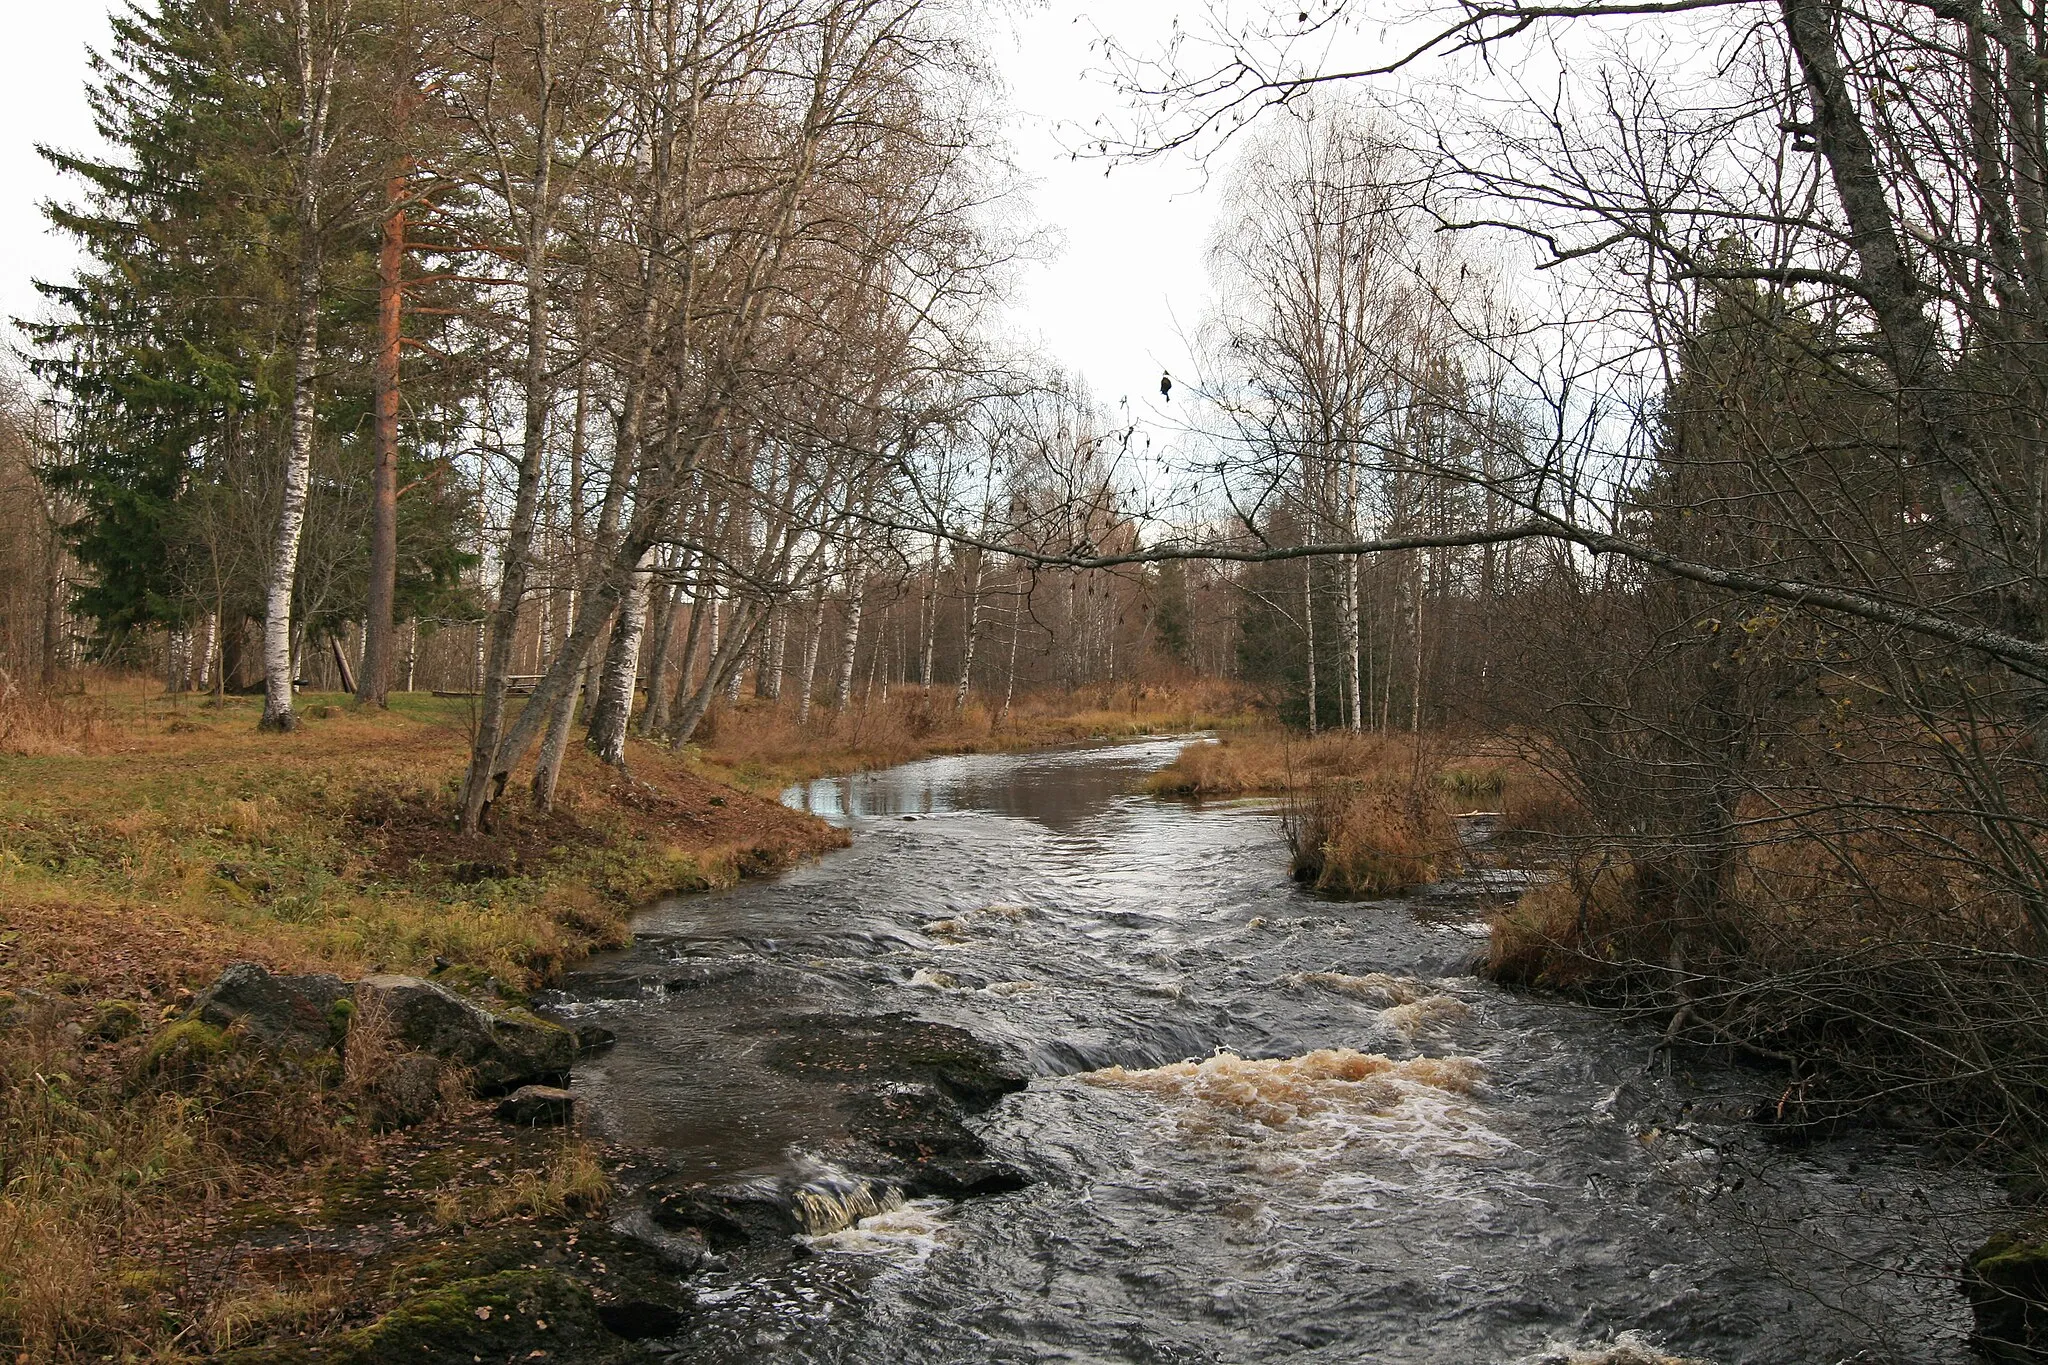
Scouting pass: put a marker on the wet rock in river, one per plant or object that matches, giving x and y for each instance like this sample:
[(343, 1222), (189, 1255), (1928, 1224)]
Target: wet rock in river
[(727, 1216), (537, 1106), (503, 1048), (881, 1049), (911, 1137), (288, 1013)]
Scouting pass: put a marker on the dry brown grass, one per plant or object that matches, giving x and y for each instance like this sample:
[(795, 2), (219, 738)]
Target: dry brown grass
[(572, 1181), (760, 744), (36, 723), (1569, 931), (1370, 838), (1272, 761), (102, 1153), (1535, 803)]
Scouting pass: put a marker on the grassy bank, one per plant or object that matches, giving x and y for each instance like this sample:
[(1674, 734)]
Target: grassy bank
[(143, 846), (147, 1179)]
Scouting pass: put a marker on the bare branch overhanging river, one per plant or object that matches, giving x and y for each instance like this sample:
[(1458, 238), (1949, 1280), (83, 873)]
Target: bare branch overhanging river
[(1518, 1178)]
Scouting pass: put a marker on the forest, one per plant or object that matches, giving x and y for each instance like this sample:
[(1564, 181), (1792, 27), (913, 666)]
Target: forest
[(480, 430)]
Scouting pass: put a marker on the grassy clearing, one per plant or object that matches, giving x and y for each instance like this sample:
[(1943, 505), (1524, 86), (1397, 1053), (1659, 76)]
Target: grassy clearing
[(336, 845)]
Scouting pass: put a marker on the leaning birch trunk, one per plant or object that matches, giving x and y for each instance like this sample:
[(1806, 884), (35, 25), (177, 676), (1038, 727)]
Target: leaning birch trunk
[(725, 663), (849, 643), (298, 456), (686, 667), (654, 720), (739, 671), (812, 637), (547, 768), (614, 710), (482, 785)]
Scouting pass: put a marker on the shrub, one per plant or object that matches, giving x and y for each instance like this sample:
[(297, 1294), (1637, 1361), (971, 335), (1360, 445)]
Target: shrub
[(1369, 838)]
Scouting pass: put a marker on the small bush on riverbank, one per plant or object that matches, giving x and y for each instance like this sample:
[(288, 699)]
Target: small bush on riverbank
[(1885, 983), (1370, 838)]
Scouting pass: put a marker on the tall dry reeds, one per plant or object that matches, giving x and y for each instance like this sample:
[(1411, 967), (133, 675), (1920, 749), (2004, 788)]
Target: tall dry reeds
[(1275, 761), (37, 723), (1369, 838)]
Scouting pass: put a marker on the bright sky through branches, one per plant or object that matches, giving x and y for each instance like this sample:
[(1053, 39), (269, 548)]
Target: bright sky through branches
[(1113, 305)]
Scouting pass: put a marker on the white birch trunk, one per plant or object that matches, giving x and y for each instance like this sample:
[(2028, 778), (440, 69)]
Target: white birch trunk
[(849, 643), (812, 639), (609, 721), (1308, 627), (314, 87)]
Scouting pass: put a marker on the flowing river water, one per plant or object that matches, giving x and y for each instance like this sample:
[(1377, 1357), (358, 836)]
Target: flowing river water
[(1261, 1125)]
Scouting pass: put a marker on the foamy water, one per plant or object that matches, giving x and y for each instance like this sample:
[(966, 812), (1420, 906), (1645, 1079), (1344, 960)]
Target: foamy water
[(1262, 1126)]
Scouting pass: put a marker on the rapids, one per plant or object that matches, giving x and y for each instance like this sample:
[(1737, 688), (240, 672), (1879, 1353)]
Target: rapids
[(1261, 1125)]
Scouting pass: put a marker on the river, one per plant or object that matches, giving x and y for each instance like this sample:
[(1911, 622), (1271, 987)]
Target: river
[(1261, 1125)]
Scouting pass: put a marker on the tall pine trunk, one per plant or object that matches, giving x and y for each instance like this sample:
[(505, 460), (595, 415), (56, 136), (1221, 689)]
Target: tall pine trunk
[(379, 611)]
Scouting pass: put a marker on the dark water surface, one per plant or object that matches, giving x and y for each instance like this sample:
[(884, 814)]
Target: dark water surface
[(1519, 1180)]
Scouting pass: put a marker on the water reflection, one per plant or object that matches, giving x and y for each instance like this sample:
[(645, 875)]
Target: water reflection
[(1059, 790)]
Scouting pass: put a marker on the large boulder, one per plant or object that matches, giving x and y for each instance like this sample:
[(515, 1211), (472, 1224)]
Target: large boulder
[(911, 1137), (287, 1013), (2007, 1281), (503, 1048)]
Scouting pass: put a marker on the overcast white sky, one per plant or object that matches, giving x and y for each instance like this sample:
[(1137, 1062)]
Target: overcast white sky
[(1129, 279)]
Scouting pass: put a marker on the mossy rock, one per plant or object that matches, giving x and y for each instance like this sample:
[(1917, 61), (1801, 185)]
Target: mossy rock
[(510, 1315), (66, 983), (2007, 1281), (477, 983), (114, 1020), (186, 1048)]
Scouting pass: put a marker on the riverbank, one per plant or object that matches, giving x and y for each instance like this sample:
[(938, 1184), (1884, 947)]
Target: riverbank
[(762, 748), (147, 842)]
